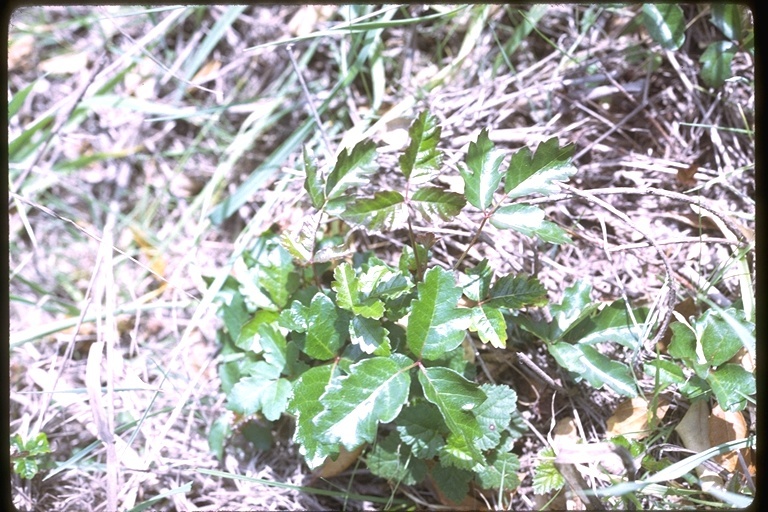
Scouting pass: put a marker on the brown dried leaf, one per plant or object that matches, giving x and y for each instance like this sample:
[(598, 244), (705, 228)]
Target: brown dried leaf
[(633, 419), (694, 431), (19, 52), (65, 64), (207, 72), (303, 22), (686, 176), (331, 468), (727, 426)]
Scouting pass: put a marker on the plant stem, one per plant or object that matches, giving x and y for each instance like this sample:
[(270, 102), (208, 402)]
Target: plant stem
[(412, 237), (472, 242)]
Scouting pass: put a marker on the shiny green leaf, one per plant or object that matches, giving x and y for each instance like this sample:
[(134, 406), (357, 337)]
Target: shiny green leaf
[(436, 325), (732, 384), (324, 338), (422, 428), (538, 172), (435, 203), (476, 281), (482, 173), (384, 211), (305, 405), (391, 459), (457, 399), (351, 169), (489, 324), (374, 392), (727, 18), (370, 335), (422, 157), (596, 368), (517, 291), (529, 220), (313, 183), (716, 63), (666, 24)]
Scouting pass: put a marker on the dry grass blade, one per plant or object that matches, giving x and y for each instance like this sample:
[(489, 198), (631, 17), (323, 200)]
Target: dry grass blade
[(187, 126)]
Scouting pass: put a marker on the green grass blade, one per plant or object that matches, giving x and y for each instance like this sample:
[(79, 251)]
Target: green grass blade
[(231, 204), (152, 502)]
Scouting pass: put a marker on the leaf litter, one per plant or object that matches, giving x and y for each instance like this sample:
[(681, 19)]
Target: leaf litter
[(632, 127)]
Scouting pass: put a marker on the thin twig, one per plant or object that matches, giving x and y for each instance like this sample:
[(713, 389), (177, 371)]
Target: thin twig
[(289, 49), (63, 116), (670, 280), (96, 237)]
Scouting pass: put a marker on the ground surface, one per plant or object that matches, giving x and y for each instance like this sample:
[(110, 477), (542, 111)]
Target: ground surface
[(161, 117)]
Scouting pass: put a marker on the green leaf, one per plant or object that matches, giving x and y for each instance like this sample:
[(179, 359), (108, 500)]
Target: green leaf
[(273, 346), (666, 24), (299, 244), (669, 372), (719, 342), (476, 281), (529, 220), (374, 392), (575, 306), (495, 413), (452, 481), (539, 172), (26, 467), (305, 405), (610, 324), (324, 338), (313, 183), (500, 472), (295, 318), (460, 453), (727, 18), (15, 104), (481, 173), (716, 63), (351, 169), (490, 325), (346, 285), (711, 340), (260, 393), (274, 398), (732, 384), (456, 398), (391, 459), (235, 315), (248, 337), (37, 445), (436, 325), (370, 336), (422, 428), (384, 211), (434, 203), (683, 343), (597, 369), (219, 433), (517, 291), (422, 157), (546, 477), (381, 281)]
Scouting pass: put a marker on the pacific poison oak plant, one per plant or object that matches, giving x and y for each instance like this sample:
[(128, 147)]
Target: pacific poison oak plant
[(346, 343)]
